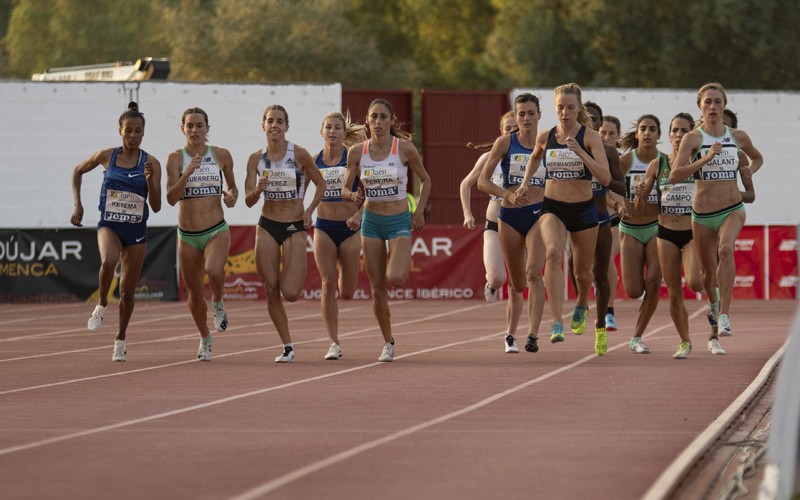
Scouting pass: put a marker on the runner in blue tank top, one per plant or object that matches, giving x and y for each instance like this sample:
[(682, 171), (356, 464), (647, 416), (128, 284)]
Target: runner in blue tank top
[(519, 232), (337, 243), (195, 180), (131, 182), (710, 153)]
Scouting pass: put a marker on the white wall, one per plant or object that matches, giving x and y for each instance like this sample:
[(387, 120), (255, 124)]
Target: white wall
[(772, 119), (48, 128)]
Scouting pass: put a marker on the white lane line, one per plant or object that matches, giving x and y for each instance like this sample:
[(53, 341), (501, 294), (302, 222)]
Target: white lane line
[(237, 353), (128, 423), (179, 411), (285, 479)]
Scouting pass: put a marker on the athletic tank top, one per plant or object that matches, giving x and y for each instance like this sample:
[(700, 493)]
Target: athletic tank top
[(514, 162), (635, 176), (497, 179), (286, 179), (563, 164), (334, 177), (384, 180), (677, 198), (725, 165), (206, 180), (123, 195)]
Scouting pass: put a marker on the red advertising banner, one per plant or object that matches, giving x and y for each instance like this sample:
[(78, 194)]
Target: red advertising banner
[(446, 263), (783, 271), (748, 253)]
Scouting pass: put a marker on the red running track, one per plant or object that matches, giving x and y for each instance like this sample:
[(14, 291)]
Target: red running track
[(454, 417)]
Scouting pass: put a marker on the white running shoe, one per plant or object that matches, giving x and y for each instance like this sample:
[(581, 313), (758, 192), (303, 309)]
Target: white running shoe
[(120, 353), (490, 293), (511, 343), (204, 351), (387, 354), (220, 316), (287, 356), (335, 352), (96, 319), (683, 351), (725, 326), (715, 348), (636, 345)]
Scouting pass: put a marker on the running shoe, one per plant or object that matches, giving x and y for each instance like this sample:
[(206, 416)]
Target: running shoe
[(531, 344), (683, 351), (120, 353), (714, 347), (611, 323), (638, 346), (204, 351), (556, 333), (334, 353), (578, 321), (600, 341), (220, 316), (287, 356), (511, 344), (712, 313), (96, 319), (387, 354), (725, 326), (490, 293)]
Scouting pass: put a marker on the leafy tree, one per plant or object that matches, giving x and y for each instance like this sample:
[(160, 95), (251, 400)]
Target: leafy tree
[(277, 41), (47, 33), (448, 38)]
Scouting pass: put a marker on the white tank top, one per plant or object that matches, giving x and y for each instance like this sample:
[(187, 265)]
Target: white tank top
[(635, 176), (384, 180), (286, 179), (206, 180), (724, 166)]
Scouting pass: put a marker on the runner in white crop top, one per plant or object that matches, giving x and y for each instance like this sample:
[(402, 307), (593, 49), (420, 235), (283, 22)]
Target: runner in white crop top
[(382, 164)]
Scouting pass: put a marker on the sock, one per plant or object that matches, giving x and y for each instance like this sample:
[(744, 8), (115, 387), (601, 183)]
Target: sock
[(610, 311)]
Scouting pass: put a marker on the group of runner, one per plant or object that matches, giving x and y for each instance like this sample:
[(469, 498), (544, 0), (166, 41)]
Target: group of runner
[(560, 191), (551, 191), (359, 184)]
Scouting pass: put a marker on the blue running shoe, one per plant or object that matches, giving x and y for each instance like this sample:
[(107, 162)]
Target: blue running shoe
[(611, 323), (556, 333)]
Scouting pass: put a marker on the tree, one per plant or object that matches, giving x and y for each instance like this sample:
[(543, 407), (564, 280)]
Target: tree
[(47, 33), (278, 41)]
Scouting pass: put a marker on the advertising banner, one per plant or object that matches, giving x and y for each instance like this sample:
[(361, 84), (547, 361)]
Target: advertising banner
[(783, 271), (749, 252), (61, 265), (446, 263)]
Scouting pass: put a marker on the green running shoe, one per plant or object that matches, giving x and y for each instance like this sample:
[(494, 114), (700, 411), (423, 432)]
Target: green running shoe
[(556, 333), (578, 321), (600, 341)]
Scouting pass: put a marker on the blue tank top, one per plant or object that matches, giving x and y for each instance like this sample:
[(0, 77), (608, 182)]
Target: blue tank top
[(514, 162), (334, 177), (563, 164), (123, 195)]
